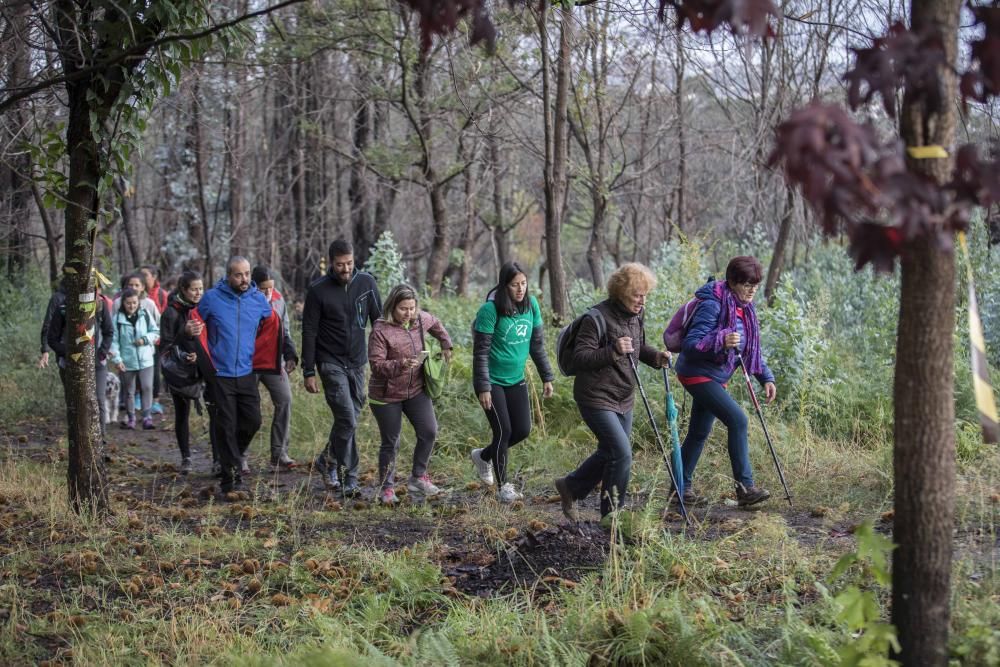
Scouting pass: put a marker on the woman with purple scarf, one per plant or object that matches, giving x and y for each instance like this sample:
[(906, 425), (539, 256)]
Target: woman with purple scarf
[(724, 324)]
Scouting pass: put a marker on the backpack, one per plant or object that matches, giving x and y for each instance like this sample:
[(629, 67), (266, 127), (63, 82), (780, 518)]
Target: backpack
[(673, 336), (566, 340)]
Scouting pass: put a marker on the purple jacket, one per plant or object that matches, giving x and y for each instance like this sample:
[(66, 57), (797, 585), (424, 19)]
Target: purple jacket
[(702, 353)]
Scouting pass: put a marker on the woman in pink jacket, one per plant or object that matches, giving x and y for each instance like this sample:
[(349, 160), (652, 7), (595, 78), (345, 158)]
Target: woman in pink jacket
[(396, 354)]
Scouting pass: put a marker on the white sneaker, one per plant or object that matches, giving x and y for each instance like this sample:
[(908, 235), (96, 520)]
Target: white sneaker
[(422, 485), (507, 494), (483, 468)]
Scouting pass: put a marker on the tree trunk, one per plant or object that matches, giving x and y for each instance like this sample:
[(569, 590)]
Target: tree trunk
[(924, 452), (15, 171), (681, 121), (199, 173), (239, 234), (128, 224), (86, 477), (357, 191), (385, 200), (437, 263), (778, 256), (556, 158), (51, 239), (468, 235)]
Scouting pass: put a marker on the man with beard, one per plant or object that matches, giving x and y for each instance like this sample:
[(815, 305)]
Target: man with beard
[(237, 330), (335, 346)]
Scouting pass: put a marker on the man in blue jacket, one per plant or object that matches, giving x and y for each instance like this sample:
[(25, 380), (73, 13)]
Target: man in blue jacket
[(338, 308), (228, 321)]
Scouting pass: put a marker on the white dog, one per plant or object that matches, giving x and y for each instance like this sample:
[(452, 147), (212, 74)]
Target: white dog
[(112, 388)]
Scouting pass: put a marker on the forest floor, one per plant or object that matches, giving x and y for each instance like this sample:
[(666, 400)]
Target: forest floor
[(171, 535)]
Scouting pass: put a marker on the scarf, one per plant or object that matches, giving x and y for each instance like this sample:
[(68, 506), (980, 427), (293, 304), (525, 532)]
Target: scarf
[(715, 338)]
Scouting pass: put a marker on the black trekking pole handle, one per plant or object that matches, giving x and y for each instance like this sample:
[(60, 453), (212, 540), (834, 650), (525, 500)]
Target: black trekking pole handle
[(659, 440), (763, 424)]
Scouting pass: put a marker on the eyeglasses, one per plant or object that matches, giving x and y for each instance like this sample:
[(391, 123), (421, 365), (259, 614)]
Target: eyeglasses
[(752, 287)]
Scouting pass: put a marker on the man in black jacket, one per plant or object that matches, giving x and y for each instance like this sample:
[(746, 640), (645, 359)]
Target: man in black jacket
[(335, 345)]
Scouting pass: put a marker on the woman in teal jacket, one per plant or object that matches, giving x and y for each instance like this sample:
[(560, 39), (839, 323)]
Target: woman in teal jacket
[(133, 350)]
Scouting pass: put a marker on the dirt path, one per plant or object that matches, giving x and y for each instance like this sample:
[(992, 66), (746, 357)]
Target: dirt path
[(482, 547)]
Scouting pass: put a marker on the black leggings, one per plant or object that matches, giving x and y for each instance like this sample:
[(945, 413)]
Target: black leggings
[(510, 419), (182, 427)]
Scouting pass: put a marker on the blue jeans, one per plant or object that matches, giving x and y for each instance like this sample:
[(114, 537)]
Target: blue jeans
[(611, 464), (711, 402)]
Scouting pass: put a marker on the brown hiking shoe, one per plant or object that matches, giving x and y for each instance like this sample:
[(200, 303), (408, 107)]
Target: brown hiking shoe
[(750, 496), (567, 500), (691, 498)]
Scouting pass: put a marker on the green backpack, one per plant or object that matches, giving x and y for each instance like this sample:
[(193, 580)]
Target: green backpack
[(435, 368)]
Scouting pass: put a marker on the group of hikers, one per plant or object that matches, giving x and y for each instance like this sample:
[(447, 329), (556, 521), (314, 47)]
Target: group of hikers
[(219, 344)]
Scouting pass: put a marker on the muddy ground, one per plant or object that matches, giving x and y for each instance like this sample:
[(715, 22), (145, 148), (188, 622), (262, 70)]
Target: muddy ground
[(531, 545)]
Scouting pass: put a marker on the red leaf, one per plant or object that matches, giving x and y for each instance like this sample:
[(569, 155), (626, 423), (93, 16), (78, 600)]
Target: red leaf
[(900, 59), (752, 18)]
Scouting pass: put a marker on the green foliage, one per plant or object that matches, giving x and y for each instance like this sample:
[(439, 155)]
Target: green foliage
[(859, 608), (27, 391), (386, 262)]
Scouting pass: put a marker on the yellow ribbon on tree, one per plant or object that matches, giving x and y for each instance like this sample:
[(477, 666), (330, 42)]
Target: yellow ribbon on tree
[(985, 401)]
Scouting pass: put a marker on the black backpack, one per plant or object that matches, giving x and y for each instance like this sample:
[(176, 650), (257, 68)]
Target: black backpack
[(566, 340)]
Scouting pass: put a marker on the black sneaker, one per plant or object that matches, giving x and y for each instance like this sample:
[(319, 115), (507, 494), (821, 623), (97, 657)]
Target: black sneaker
[(186, 465), (351, 490), (750, 496)]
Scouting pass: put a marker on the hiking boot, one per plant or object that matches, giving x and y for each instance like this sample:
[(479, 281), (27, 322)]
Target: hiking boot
[(566, 497), (691, 498), (186, 465), (422, 484), (750, 495), (508, 494), (129, 424), (284, 462), (483, 468), (352, 490), (157, 408), (331, 480), (388, 496), (147, 424), (324, 466), (216, 469)]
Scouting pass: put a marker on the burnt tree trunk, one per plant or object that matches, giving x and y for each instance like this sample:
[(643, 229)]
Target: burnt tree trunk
[(924, 451)]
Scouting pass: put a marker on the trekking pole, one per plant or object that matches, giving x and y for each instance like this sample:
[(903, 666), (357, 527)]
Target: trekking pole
[(767, 436), (675, 440), (659, 441)]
